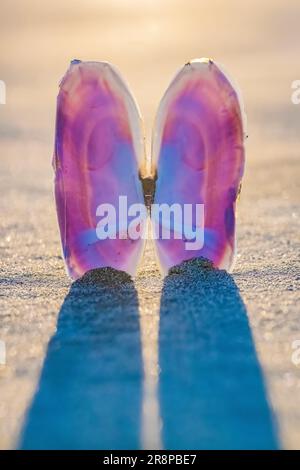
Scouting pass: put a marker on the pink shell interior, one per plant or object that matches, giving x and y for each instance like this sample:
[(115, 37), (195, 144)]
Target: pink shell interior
[(97, 147), (199, 156)]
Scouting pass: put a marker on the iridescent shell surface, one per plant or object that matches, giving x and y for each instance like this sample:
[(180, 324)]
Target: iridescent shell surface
[(98, 145), (198, 153)]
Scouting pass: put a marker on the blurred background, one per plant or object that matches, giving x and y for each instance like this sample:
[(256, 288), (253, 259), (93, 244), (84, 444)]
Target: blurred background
[(258, 43)]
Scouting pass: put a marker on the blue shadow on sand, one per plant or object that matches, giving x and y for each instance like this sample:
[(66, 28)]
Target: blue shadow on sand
[(211, 388), (90, 390)]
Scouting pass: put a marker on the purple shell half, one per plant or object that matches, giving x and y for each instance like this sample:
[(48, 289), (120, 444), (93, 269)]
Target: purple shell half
[(198, 153), (98, 145)]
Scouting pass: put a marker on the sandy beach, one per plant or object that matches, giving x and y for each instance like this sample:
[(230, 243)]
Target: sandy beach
[(199, 359)]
